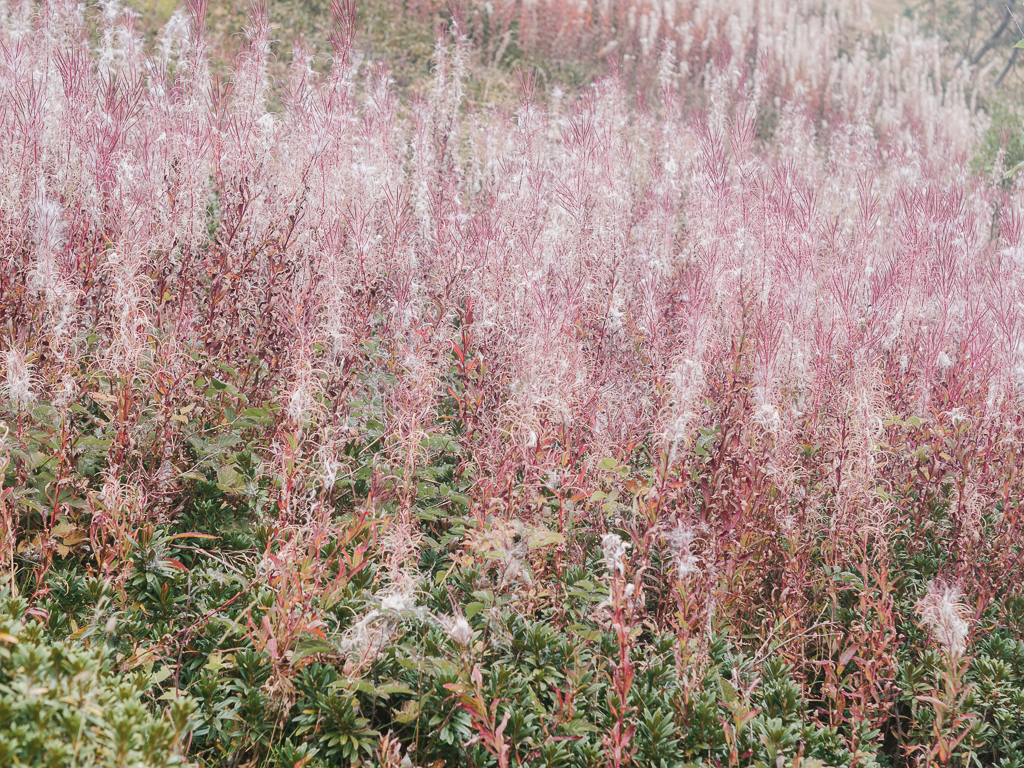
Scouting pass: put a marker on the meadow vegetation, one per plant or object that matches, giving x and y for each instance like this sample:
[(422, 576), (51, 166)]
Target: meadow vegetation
[(543, 383)]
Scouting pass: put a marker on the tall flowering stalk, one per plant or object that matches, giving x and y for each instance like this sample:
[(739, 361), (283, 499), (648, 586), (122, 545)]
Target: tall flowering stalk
[(621, 607), (944, 613)]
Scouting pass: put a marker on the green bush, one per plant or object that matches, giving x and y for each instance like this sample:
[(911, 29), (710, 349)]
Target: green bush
[(62, 703)]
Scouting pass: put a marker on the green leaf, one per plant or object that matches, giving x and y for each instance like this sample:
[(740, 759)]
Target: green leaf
[(256, 414), (409, 712), (216, 662), (228, 479), (728, 692), (542, 537), (1015, 168), (389, 688), (312, 649)]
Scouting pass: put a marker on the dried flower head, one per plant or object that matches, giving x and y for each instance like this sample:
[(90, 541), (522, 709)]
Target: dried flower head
[(614, 553), (458, 629), (942, 610), (679, 539), (18, 380), (372, 633), (767, 416)]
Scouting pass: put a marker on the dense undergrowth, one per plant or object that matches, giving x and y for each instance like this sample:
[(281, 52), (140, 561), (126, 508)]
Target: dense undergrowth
[(670, 421), (227, 614)]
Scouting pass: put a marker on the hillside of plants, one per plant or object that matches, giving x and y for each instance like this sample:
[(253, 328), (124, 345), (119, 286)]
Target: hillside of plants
[(555, 383)]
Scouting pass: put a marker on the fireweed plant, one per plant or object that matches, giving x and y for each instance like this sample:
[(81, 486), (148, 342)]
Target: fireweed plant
[(674, 420)]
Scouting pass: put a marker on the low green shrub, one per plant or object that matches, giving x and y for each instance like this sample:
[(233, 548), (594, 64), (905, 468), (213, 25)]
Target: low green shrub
[(63, 703)]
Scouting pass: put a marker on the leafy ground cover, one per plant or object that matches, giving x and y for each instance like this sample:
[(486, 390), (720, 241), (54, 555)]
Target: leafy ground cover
[(666, 414)]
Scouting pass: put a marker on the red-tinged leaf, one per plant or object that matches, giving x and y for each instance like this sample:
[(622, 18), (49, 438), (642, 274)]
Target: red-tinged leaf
[(748, 717), (934, 701), (175, 564), (963, 734), (193, 535), (504, 722), (848, 654), (459, 353)]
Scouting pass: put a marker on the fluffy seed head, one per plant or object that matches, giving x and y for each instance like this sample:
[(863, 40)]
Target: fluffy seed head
[(614, 553), (458, 629), (942, 610), (18, 380), (679, 539)]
